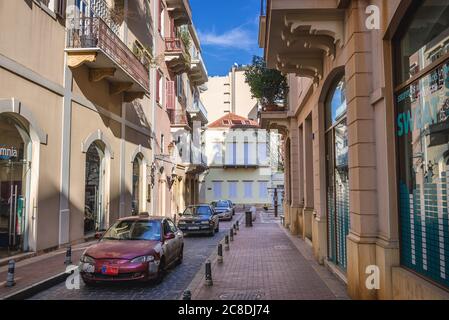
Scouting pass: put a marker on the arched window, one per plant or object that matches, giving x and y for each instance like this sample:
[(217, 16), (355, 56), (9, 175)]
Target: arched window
[(94, 188), (137, 185), (337, 173), (15, 156)]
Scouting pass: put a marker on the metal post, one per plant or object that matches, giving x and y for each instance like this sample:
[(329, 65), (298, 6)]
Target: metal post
[(209, 281), (68, 256), (234, 228), (249, 219), (10, 276), (226, 243), (276, 202), (231, 235), (220, 253), (238, 225), (187, 295)]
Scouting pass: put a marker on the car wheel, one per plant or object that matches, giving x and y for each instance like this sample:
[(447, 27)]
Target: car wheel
[(89, 284), (181, 256)]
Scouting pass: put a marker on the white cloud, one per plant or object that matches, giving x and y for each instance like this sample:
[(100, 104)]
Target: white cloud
[(237, 38)]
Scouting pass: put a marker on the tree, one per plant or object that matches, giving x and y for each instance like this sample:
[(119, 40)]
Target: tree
[(267, 85)]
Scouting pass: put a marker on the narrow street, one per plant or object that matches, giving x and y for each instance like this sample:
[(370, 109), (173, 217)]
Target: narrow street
[(196, 250)]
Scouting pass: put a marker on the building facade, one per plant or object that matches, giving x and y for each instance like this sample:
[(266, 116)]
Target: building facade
[(365, 138), (238, 158), (230, 94), (82, 124)]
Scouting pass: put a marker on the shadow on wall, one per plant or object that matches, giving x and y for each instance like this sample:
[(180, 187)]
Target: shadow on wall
[(98, 94)]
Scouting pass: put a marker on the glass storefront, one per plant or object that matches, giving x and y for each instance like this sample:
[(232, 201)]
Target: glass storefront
[(337, 174), (14, 169), (422, 130)]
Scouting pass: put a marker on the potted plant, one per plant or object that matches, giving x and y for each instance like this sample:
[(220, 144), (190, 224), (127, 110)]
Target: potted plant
[(267, 85)]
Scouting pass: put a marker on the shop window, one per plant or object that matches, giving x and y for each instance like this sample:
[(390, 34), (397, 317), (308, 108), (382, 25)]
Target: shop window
[(422, 131), (337, 176), (425, 39)]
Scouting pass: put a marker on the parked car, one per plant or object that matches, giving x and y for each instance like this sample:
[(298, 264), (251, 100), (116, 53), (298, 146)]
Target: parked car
[(231, 205), (224, 209), (138, 248), (199, 219)]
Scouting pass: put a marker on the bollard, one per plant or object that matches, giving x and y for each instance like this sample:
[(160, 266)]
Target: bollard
[(248, 219), (231, 235), (10, 277), (238, 225), (220, 253), (68, 256), (209, 274), (226, 243), (187, 295), (234, 228)]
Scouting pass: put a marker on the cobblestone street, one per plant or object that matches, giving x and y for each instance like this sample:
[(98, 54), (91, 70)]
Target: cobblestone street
[(196, 251)]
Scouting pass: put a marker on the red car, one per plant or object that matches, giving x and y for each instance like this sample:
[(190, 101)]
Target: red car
[(138, 248)]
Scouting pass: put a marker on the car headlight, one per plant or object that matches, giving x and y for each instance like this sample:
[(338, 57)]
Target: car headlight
[(143, 259), (86, 259)]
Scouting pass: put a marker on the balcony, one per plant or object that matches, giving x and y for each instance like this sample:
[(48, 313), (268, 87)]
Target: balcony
[(296, 35), (176, 56), (180, 11), (91, 42), (198, 73), (198, 112), (274, 117), (178, 118)]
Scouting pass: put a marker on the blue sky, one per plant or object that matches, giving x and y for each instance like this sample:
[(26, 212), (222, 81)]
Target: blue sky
[(228, 32)]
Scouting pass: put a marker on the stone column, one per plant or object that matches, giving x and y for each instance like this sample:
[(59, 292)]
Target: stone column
[(296, 195), (361, 248), (308, 186)]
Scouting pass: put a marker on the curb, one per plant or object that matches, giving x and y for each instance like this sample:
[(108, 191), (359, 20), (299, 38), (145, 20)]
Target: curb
[(35, 288)]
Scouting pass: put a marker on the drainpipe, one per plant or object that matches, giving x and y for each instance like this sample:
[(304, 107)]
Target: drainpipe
[(153, 99)]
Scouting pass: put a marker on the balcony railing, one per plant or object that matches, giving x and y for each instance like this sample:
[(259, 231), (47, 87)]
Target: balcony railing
[(175, 45), (94, 33), (177, 117), (198, 107)]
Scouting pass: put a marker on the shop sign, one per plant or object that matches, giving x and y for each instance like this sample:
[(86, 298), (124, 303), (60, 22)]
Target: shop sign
[(429, 100), (8, 152)]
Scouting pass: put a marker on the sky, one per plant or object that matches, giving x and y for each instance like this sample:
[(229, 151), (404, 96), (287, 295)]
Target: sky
[(228, 32)]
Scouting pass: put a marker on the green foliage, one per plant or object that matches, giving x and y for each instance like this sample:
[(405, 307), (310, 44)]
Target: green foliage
[(267, 85)]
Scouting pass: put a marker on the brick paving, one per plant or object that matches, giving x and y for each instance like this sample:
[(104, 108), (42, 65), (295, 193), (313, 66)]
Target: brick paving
[(265, 263), (36, 269)]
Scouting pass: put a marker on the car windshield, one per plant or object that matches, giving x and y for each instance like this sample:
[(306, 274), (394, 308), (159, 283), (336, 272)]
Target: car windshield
[(134, 230), (222, 204), (192, 211)]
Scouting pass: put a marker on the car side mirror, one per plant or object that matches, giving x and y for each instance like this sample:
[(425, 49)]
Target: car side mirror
[(169, 236), (180, 214), (99, 234)]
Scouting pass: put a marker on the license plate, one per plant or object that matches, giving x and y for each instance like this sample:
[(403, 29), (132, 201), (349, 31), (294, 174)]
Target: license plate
[(109, 270), (193, 228), (88, 268)]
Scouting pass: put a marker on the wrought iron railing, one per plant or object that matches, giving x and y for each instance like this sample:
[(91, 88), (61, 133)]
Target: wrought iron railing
[(175, 45), (177, 117), (94, 33)]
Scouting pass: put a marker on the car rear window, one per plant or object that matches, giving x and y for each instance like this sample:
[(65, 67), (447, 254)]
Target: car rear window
[(201, 210), (222, 204)]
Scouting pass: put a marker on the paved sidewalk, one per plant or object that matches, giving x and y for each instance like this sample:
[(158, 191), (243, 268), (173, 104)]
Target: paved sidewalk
[(36, 271), (266, 263)]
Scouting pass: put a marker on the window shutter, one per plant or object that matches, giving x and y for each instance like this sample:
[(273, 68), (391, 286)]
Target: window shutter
[(170, 95), (158, 86), (60, 8)]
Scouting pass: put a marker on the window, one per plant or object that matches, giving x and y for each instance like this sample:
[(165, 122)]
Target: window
[(161, 26), (422, 139), (217, 189), (232, 189), (262, 153), (424, 40), (246, 153), (162, 144), (248, 189), (159, 86), (263, 189), (217, 153)]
